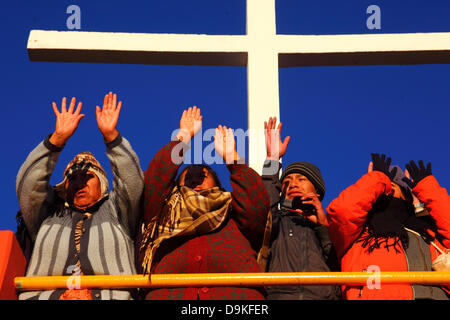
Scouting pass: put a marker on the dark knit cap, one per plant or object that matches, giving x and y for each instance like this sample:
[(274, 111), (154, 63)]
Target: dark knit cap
[(308, 170)]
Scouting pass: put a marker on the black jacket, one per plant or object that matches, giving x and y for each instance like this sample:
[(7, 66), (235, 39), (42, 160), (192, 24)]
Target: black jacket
[(297, 245)]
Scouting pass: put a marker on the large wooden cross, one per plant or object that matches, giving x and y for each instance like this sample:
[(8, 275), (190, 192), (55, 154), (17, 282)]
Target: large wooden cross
[(262, 50)]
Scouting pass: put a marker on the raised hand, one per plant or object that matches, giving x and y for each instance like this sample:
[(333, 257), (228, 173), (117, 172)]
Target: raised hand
[(380, 163), (190, 124), (417, 173), (108, 117), (225, 145), (66, 121), (275, 148)]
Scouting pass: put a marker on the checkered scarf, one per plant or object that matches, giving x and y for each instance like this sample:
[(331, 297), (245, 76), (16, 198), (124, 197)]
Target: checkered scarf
[(186, 212)]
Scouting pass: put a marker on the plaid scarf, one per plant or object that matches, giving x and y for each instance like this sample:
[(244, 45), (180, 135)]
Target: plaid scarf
[(186, 212)]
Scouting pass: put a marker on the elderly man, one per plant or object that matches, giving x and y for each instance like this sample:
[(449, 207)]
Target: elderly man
[(79, 226), (299, 238), (193, 225)]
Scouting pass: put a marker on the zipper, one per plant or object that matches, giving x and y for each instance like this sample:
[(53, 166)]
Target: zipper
[(407, 269)]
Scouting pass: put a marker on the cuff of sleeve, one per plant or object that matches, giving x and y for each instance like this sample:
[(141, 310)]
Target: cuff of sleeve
[(115, 142), (50, 146), (271, 167), (233, 167), (177, 150)]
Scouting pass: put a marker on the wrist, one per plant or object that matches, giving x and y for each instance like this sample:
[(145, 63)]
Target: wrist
[(184, 135), (58, 140), (110, 136), (232, 158)]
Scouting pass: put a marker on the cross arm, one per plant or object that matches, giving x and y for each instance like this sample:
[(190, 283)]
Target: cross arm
[(363, 49), (137, 48)]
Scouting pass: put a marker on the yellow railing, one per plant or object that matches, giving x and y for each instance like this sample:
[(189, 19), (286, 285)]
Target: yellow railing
[(229, 279)]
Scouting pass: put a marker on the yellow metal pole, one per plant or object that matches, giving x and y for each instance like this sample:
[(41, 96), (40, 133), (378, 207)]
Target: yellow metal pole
[(228, 279)]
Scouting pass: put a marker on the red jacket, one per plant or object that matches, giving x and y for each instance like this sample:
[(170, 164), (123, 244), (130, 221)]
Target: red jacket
[(347, 215), (231, 248)]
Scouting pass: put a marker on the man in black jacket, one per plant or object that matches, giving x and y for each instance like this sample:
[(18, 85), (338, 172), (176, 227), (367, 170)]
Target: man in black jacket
[(299, 238)]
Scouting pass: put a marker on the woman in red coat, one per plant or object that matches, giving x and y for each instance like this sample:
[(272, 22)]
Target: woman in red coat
[(192, 225), (373, 227)]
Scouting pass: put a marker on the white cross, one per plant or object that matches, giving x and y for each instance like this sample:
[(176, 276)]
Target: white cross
[(261, 50)]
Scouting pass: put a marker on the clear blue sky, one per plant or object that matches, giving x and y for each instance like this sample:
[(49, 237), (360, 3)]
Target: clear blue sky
[(336, 116)]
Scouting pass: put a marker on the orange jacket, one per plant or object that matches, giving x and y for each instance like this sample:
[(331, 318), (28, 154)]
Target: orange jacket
[(347, 216)]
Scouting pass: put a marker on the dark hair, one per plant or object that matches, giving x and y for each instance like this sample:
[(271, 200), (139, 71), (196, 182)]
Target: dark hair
[(203, 166)]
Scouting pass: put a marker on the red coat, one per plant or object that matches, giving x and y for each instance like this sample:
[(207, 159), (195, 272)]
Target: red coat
[(347, 215), (230, 249)]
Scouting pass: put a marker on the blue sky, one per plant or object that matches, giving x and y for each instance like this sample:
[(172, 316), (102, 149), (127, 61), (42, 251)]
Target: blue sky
[(336, 116)]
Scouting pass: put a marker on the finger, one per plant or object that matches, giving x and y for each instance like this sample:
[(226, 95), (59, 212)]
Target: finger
[(370, 169), (198, 114), (414, 167), (388, 163), (110, 101), (280, 125), (72, 105), (98, 112), (409, 169), (55, 109), (421, 165), (78, 110), (393, 172), (79, 117), (374, 157), (114, 101), (286, 141), (119, 107), (407, 174), (63, 105), (429, 167), (105, 101)]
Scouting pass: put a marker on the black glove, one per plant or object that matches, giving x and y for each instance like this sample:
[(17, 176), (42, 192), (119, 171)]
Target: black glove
[(382, 164), (417, 173)]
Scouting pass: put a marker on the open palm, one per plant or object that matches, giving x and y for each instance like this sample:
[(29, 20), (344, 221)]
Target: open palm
[(108, 116), (66, 121), (225, 145)]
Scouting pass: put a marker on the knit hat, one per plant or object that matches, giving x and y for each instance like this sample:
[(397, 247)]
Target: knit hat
[(308, 170), (84, 161)]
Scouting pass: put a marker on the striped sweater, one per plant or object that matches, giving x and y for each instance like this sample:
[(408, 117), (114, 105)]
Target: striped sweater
[(107, 245)]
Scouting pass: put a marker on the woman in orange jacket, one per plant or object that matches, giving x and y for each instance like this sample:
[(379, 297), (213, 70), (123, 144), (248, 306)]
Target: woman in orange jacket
[(373, 227)]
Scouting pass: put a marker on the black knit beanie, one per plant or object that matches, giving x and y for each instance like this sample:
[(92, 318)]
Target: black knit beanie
[(308, 170)]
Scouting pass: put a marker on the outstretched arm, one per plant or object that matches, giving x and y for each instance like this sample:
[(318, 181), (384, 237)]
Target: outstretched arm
[(128, 181), (250, 200), (436, 199), (33, 189), (162, 170)]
